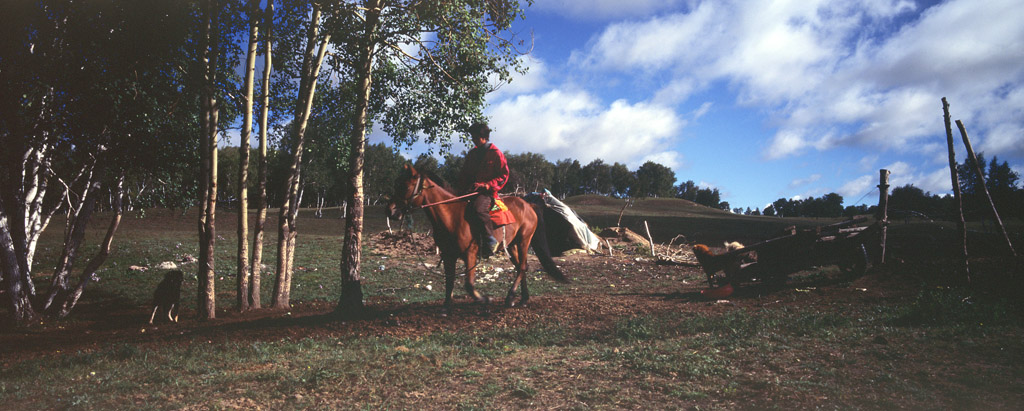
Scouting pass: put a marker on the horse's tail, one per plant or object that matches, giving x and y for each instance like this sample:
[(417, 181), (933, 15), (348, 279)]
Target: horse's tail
[(539, 242)]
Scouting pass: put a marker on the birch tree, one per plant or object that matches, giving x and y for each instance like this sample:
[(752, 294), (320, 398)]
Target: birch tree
[(313, 56), (242, 271), (261, 198), (215, 52)]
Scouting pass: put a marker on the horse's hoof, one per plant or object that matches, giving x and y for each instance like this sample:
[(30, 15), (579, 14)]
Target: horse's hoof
[(510, 302)]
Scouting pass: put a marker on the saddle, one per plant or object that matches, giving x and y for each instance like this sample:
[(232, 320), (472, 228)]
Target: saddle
[(500, 214)]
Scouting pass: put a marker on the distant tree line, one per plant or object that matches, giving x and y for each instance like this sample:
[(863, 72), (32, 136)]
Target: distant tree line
[(532, 172), (529, 172), (829, 205), (910, 201)]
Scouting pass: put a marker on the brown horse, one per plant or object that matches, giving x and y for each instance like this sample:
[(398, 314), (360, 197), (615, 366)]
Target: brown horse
[(453, 237)]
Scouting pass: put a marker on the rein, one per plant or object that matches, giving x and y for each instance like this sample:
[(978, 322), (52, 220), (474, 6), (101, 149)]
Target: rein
[(450, 200), (419, 191)]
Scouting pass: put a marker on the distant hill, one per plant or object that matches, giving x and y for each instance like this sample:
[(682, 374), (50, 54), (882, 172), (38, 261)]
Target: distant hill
[(670, 217)]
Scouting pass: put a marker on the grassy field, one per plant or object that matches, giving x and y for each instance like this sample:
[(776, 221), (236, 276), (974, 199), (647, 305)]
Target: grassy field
[(627, 333)]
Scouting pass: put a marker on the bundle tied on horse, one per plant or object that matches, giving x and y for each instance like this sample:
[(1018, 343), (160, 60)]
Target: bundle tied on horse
[(453, 236)]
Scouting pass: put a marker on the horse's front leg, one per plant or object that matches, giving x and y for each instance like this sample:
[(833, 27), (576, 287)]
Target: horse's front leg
[(449, 281), (518, 282), (471, 262)]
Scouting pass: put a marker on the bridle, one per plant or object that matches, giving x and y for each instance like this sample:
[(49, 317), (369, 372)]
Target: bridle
[(418, 191)]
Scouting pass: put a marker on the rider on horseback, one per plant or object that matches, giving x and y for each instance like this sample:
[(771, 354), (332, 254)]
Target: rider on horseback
[(485, 171)]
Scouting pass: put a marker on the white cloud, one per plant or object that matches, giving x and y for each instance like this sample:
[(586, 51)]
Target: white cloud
[(834, 73), (937, 181), (670, 159), (786, 143), (654, 44), (575, 124), (805, 181), (534, 79), (702, 110), (934, 181), (857, 188), (676, 91), (868, 162)]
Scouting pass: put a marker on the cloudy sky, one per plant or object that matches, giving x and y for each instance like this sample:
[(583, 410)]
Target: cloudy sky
[(769, 99)]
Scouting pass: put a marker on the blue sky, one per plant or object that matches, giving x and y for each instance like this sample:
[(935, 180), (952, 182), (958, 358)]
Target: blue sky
[(768, 99)]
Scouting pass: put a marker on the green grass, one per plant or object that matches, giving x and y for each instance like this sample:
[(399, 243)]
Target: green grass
[(796, 356), (956, 307), (699, 359)]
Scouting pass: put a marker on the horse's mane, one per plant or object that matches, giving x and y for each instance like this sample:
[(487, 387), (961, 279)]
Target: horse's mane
[(437, 179)]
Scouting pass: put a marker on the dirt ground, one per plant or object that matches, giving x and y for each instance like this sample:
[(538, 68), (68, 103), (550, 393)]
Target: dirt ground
[(96, 327)]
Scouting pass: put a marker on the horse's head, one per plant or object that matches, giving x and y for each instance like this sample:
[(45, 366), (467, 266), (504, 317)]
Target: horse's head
[(408, 190)]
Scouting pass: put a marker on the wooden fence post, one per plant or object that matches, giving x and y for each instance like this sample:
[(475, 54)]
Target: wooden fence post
[(956, 189), (649, 238), (883, 210), (984, 189)]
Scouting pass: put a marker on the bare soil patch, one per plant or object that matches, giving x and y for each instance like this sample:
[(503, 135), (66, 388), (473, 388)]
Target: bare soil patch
[(624, 279), (606, 291)]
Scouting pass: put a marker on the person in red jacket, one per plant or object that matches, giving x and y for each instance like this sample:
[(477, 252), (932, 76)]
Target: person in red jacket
[(485, 171)]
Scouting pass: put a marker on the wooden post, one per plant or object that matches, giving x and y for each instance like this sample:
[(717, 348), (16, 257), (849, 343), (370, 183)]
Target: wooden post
[(984, 189), (961, 226), (649, 238), (883, 210)]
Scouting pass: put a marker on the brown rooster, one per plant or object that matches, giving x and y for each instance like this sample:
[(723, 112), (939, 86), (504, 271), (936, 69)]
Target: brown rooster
[(728, 262)]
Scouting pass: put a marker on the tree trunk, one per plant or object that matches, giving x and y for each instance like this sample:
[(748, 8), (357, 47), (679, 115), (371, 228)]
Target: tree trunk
[(350, 302), (204, 192), (206, 296), (261, 200), (14, 275), (288, 214), (209, 309), (94, 264), (78, 219), (242, 272), (36, 218)]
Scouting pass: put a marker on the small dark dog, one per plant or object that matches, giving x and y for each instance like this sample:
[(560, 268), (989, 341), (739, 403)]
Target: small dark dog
[(167, 297)]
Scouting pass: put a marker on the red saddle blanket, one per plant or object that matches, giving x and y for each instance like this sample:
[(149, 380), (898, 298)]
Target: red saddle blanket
[(500, 214)]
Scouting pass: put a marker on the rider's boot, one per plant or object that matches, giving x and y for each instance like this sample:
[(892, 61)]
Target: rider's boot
[(489, 245)]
